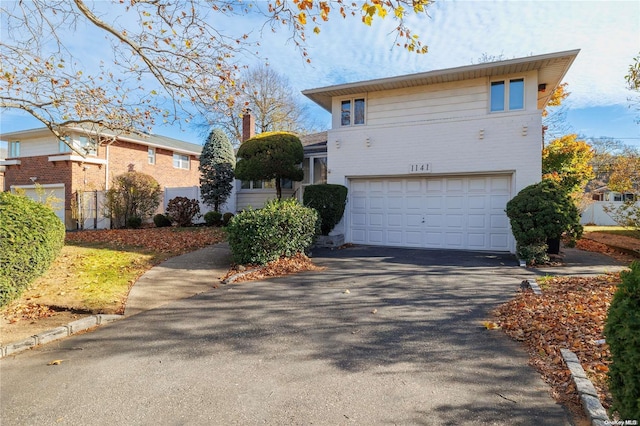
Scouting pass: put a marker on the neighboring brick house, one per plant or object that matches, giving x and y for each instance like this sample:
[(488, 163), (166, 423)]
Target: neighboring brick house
[(36, 161)]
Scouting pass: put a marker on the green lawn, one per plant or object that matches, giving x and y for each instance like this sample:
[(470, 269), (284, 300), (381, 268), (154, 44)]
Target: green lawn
[(615, 230)]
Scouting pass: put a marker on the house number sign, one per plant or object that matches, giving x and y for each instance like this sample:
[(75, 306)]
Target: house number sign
[(420, 168)]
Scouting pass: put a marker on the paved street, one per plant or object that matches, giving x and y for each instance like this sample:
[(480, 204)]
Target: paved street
[(382, 336)]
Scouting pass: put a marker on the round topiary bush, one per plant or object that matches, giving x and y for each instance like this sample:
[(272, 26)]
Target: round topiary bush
[(281, 228), (31, 237), (213, 218), (161, 221), (541, 212), (622, 331)]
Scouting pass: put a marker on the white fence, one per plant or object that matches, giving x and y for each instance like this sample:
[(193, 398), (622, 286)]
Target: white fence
[(594, 214), (193, 192)]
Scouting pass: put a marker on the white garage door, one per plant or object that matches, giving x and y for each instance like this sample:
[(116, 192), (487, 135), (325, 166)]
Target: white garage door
[(52, 194), (445, 212)]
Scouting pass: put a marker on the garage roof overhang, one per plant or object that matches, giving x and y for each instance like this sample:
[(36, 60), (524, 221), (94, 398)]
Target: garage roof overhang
[(551, 68)]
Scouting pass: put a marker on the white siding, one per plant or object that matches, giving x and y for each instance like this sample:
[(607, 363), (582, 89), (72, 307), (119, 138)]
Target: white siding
[(38, 146), (446, 126), (256, 198), (446, 101)]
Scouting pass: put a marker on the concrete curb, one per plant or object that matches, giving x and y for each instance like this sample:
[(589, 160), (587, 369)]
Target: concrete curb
[(58, 333), (588, 395)]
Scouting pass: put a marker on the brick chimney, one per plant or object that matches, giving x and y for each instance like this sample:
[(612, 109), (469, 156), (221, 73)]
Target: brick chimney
[(248, 125)]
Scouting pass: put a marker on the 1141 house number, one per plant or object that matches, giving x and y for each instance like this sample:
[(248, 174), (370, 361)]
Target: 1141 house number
[(420, 168)]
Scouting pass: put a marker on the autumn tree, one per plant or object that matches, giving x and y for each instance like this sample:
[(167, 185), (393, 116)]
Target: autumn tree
[(567, 161), (633, 83), (618, 167), (159, 59), (554, 115), (271, 100), (133, 197), (217, 162), (271, 155)]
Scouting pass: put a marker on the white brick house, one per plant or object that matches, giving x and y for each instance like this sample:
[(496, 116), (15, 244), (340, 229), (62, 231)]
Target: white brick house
[(431, 159)]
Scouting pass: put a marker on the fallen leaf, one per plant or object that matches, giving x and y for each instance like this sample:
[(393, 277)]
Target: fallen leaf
[(490, 325), (56, 362)]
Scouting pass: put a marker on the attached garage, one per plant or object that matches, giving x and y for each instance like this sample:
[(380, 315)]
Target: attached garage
[(456, 212), (51, 193)]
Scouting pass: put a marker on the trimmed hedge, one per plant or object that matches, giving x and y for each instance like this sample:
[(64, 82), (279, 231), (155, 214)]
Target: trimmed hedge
[(31, 237), (161, 221), (213, 218), (329, 200), (622, 331), (281, 228)]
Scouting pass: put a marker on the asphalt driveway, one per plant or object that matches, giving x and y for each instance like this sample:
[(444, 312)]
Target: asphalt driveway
[(381, 336)]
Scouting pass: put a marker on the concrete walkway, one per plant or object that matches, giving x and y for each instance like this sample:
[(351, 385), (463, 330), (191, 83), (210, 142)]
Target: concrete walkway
[(178, 278)]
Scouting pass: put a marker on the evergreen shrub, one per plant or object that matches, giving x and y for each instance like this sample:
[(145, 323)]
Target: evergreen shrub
[(31, 237), (622, 331), (161, 221), (541, 212), (213, 218), (281, 228), (134, 222), (226, 218), (329, 200)]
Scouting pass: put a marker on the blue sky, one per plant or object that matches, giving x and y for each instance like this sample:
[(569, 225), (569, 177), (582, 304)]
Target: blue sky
[(458, 33)]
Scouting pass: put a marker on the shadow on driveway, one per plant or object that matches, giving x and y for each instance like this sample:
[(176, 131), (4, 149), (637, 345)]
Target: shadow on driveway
[(381, 336)]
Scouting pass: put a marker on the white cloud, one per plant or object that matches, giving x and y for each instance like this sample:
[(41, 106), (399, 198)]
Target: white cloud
[(459, 32)]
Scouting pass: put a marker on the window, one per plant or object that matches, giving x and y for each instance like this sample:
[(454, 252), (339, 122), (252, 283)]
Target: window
[(63, 146), (345, 112), (347, 118), (180, 161), (151, 155), (265, 184), (14, 149), (507, 97), (316, 173), (88, 145)]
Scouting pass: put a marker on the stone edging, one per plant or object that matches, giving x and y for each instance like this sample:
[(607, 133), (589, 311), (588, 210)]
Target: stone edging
[(58, 333), (586, 391)]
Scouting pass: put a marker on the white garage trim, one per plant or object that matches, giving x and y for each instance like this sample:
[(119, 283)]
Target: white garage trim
[(40, 193), (446, 212)]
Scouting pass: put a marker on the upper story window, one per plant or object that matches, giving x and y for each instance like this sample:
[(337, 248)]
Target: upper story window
[(507, 95), (14, 149), (87, 145), (151, 155), (63, 145), (180, 161), (352, 112)]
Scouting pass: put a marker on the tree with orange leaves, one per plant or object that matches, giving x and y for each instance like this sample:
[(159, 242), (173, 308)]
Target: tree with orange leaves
[(158, 59)]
